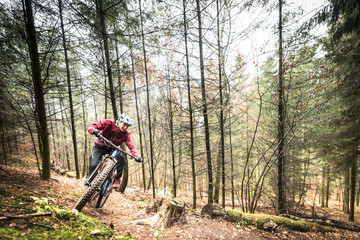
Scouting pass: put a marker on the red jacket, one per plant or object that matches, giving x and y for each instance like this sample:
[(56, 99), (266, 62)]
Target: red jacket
[(111, 131)]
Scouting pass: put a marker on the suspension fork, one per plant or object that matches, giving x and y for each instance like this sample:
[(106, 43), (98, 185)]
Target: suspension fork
[(95, 172), (110, 173)]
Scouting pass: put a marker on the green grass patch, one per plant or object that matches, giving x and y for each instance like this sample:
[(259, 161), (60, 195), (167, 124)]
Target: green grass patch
[(259, 219), (62, 224)]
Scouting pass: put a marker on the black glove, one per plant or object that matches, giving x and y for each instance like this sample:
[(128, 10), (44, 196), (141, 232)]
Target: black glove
[(96, 132), (138, 159)]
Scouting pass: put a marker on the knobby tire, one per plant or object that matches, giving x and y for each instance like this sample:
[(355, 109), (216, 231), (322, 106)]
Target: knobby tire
[(101, 200), (103, 196), (94, 186)]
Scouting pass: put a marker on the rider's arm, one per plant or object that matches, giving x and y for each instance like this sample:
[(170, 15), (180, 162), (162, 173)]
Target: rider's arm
[(98, 125), (131, 146)]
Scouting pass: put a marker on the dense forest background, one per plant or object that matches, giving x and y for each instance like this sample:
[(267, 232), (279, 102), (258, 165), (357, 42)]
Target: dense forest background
[(244, 103)]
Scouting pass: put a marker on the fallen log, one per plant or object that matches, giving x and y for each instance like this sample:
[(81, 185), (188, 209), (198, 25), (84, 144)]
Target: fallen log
[(259, 219), (62, 171), (213, 210)]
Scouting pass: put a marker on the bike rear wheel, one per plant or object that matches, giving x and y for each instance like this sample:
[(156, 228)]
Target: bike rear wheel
[(95, 185)]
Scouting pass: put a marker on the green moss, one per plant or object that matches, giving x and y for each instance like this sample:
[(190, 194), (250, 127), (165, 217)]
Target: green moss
[(62, 224), (37, 232), (10, 233), (67, 226), (70, 174), (259, 220)]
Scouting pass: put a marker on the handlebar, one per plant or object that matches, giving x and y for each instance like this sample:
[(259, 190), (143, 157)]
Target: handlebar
[(114, 146)]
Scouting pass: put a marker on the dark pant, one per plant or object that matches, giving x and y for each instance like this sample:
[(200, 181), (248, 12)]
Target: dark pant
[(96, 155)]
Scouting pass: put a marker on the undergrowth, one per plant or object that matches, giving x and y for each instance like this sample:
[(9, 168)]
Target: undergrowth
[(62, 224)]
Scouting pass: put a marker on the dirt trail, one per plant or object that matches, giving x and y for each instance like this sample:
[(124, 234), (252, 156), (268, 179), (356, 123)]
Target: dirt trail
[(121, 210)]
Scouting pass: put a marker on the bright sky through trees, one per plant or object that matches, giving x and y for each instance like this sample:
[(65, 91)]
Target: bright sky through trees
[(261, 42)]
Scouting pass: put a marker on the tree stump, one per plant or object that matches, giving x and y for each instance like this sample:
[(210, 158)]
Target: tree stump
[(168, 212), (154, 206), (171, 211)]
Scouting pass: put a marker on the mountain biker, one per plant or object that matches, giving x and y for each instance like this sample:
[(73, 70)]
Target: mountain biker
[(117, 132)]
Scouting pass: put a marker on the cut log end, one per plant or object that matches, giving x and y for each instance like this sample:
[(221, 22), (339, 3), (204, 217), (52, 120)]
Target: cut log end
[(213, 210), (168, 213)]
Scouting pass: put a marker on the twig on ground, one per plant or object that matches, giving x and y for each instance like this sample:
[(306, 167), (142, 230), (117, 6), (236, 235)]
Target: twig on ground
[(25, 216), (13, 206), (43, 225)]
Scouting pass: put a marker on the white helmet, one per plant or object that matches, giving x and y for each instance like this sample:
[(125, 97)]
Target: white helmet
[(126, 119)]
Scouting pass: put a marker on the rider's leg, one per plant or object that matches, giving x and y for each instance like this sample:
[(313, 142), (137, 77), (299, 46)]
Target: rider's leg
[(94, 158), (120, 165), (119, 168)]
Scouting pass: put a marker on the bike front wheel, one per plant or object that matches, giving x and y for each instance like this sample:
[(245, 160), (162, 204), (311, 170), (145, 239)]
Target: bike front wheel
[(105, 191), (95, 185)]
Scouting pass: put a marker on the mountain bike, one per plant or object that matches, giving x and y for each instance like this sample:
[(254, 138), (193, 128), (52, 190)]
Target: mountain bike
[(99, 184)]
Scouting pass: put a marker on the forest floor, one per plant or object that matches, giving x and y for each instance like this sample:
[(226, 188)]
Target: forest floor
[(122, 210)]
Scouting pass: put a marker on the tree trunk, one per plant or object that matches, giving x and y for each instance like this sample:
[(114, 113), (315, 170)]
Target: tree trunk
[(217, 180), (281, 185), (346, 190), (192, 154), (44, 145), (138, 117), (353, 178), (64, 136), (220, 59), (171, 123), (84, 116), (231, 164), (323, 194), (55, 151), (95, 109), (60, 157), (358, 195), (119, 76), (73, 130), (125, 176), (180, 162), (327, 186), (107, 57), (204, 108), (231, 156), (148, 102)]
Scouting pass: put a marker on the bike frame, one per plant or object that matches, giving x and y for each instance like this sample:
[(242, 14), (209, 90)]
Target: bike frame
[(111, 156), (99, 184), (95, 172)]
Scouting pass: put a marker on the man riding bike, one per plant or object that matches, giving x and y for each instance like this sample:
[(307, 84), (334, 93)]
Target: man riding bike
[(117, 132)]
